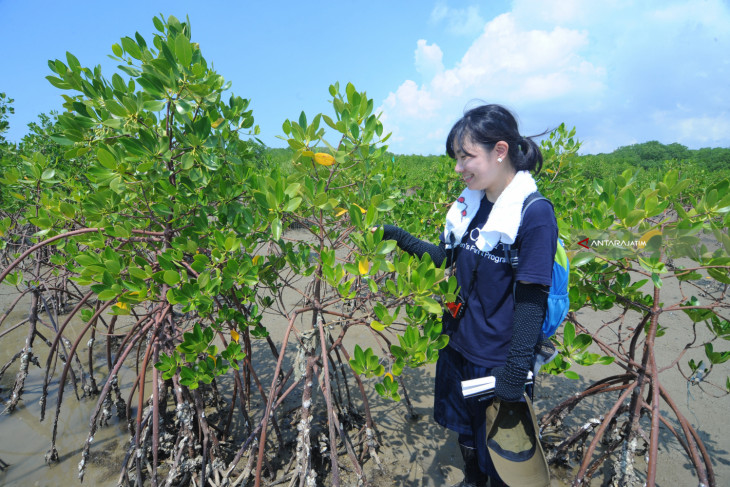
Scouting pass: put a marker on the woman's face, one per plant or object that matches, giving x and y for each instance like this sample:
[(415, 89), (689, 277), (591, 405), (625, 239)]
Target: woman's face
[(480, 170)]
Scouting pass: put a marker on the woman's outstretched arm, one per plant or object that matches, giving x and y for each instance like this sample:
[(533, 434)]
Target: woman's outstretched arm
[(416, 246)]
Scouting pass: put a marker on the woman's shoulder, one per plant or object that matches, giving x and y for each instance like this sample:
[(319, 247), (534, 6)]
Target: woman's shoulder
[(539, 213)]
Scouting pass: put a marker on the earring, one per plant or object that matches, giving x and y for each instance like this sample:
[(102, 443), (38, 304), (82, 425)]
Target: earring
[(499, 160)]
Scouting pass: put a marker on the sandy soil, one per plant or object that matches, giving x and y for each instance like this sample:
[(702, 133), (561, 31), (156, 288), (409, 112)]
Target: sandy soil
[(414, 453)]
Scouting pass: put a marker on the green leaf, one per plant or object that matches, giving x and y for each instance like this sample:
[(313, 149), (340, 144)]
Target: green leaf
[(656, 279), (582, 341), (183, 50), (171, 277), (134, 72), (68, 210), (716, 357), (131, 47), (106, 158), (568, 333), (106, 295), (158, 24), (431, 305), (720, 275), (115, 108), (276, 229), (634, 217), (620, 208), (293, 204), (582, 258), (58, 83)]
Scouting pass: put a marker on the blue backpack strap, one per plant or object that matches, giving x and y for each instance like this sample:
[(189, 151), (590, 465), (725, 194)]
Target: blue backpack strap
[(558, 299), (511, 253)]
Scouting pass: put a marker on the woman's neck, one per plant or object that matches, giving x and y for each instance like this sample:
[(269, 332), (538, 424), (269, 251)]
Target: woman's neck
[(493, 193)]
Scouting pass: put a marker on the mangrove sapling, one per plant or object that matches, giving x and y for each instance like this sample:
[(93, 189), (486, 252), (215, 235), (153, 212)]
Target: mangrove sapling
[(615, 279), (177, 240)]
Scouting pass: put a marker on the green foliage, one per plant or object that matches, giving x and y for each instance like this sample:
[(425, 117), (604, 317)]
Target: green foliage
[(197, 360), (416, 349), (162, 144), (345, 189), (574, 348), (649, 225), (6, 109), (366, 363), (388, 388)]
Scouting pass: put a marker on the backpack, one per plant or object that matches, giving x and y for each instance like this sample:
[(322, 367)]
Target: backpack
[(558, 300)]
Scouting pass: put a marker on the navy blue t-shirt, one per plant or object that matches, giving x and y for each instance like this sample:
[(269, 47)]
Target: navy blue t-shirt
[(485, 331)]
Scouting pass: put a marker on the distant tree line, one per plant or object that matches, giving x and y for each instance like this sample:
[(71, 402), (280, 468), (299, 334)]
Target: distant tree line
[(654, 154), (653, 157)]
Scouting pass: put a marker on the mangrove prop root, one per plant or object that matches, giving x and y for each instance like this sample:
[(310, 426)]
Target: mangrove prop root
[(10, 362), (270, 401), (557, 452), (331, 418), (704, 469), (597, 437), (93, 422), (307, 476), (51, 354), (25, 359)]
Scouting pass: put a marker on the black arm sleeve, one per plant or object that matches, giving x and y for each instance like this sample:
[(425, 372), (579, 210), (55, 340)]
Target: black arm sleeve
[(417, 247), (530, 308)]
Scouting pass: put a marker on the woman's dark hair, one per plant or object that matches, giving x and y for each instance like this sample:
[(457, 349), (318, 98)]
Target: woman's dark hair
[(488, 124)]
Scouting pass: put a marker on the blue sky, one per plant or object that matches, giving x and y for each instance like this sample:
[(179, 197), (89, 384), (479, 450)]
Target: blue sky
[(621, 71)]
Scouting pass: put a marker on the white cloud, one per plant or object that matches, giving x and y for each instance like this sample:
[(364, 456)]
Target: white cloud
[(702, 130), (429, 59), (411, 101), (622, 71), (543, 66), (464, 21)]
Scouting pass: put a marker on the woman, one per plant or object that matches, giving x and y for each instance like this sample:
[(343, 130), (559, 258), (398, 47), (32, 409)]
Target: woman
[(503, 309)]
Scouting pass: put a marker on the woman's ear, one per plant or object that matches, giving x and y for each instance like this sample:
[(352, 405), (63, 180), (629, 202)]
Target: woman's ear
[(501, 149)]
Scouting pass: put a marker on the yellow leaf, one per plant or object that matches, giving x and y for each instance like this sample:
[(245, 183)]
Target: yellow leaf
[(217, 123), (235, 336), (214, 359), (121, 305), (256, 259), (647, 236), (377, 326), (388, 374), (324, 159), (340, 211), (364, 266), (550, 171), (361, 209)]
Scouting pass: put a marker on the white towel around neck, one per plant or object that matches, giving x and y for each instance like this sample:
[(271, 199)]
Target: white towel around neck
[(503, 221)]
